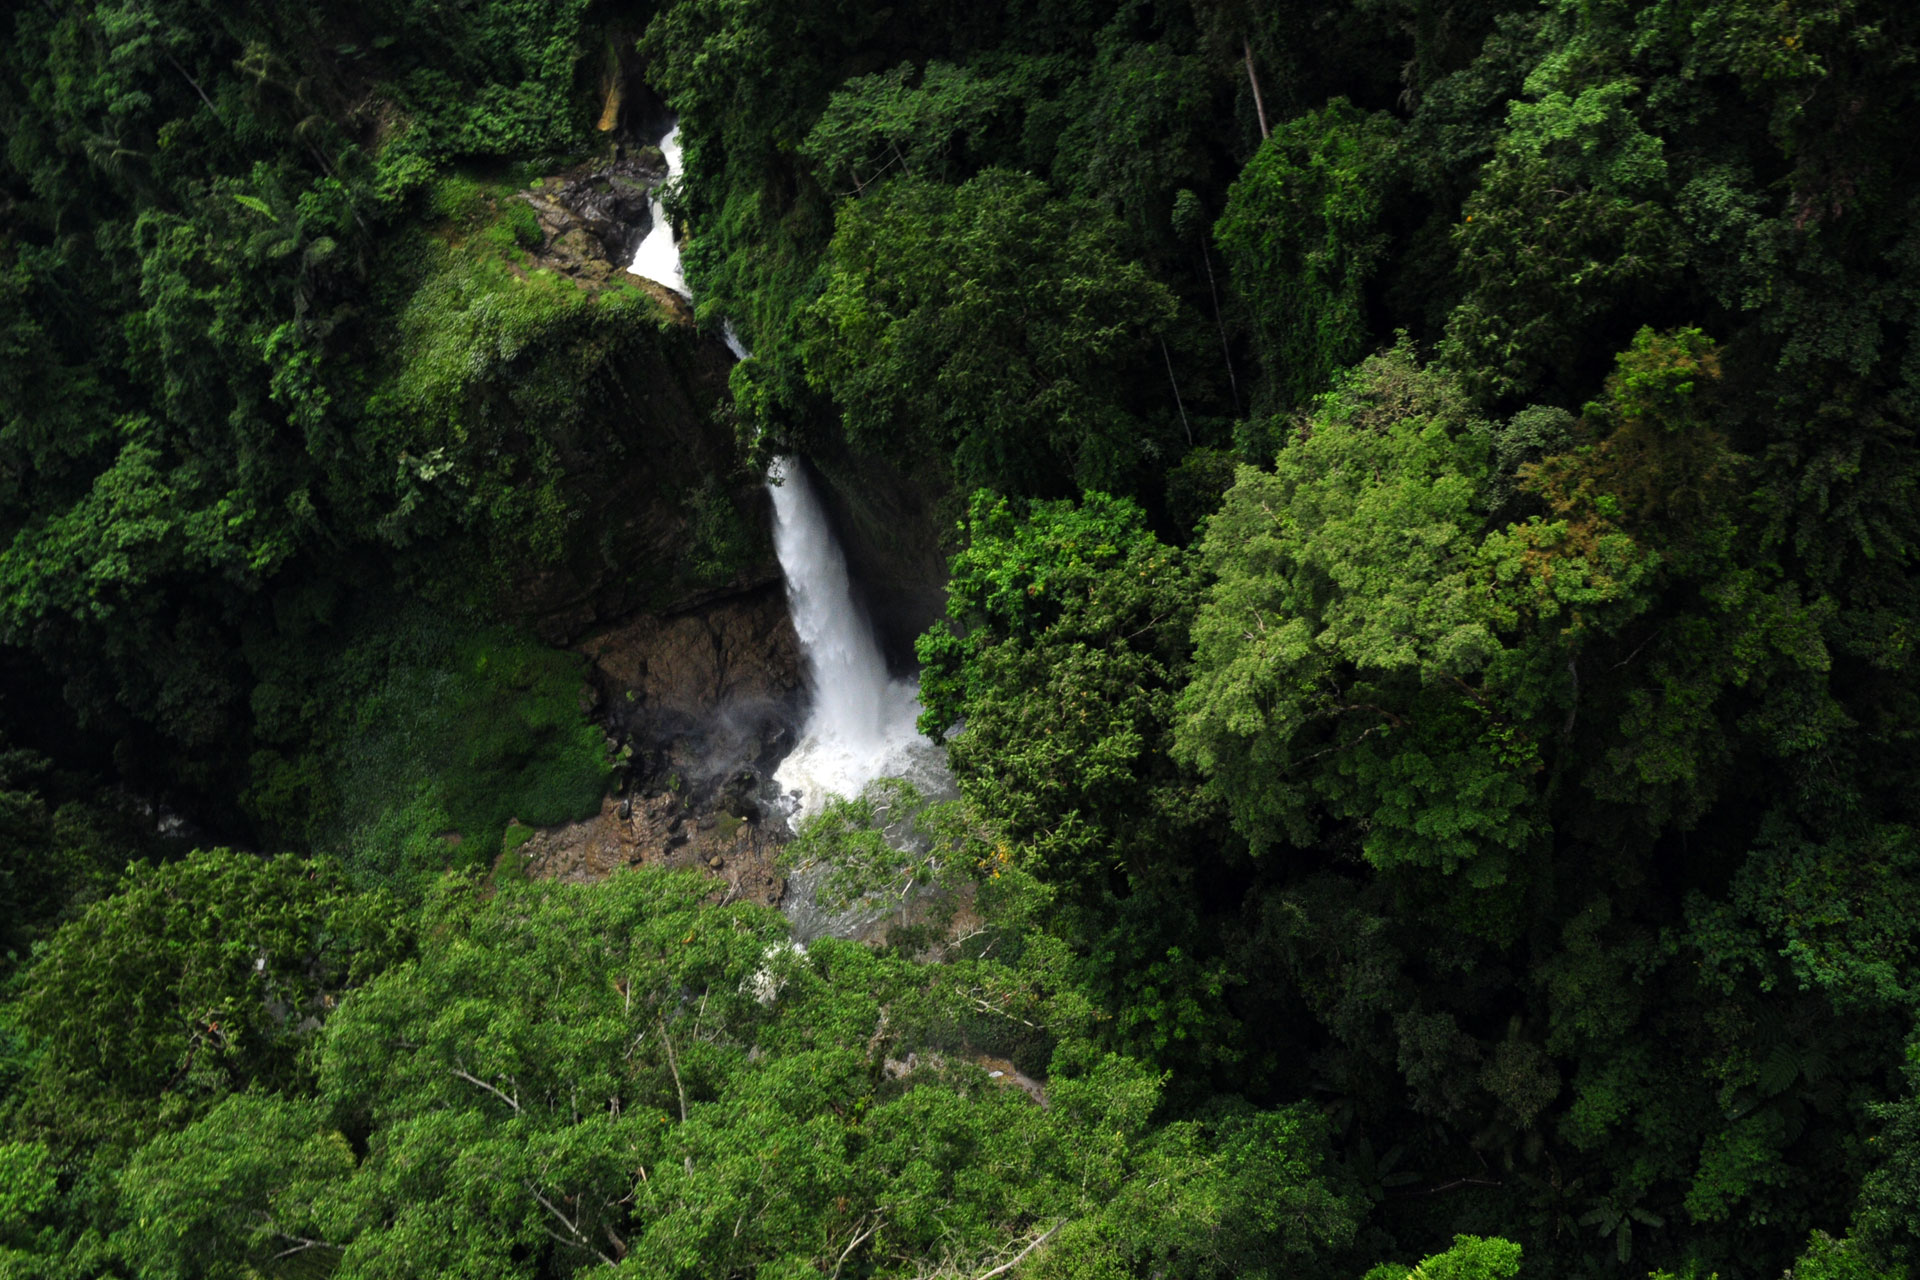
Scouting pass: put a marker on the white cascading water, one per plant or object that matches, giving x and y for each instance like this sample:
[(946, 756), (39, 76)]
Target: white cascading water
[(861, 725), (658, 257)]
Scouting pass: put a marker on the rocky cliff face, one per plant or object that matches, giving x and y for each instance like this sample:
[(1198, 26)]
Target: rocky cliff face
[(567, 428), (663, 516), (705, 703), (897, 529), (594, 216), (667, 582), (662, 513), (702, 695)]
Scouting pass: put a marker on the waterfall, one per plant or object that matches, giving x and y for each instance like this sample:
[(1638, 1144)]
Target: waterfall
[(658, 257), (861, 724), (843, 661)]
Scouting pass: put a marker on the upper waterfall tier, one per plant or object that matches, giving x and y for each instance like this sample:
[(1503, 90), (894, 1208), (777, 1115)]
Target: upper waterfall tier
[(658, 257)]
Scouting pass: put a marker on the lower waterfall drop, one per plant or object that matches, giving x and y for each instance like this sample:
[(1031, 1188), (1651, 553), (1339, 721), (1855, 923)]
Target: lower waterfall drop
[(862, 724)]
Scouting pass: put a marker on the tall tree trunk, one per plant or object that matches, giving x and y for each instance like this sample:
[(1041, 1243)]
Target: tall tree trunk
[(1259, 107), (1175, 383), (1220, 322)]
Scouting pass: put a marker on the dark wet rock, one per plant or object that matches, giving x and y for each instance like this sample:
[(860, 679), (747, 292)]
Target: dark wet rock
[(703, 702), (895, 524), (691, 664), (592, 219), (708, 699), (649, 465)]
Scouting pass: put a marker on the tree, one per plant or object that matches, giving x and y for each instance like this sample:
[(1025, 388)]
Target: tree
[(574, 1077), (28, 1191), (1566, 226), (1301, 232), (1470, 1258), (245, 1188), (195, 980), (1348, 659), (993, 322), (1062, 649)]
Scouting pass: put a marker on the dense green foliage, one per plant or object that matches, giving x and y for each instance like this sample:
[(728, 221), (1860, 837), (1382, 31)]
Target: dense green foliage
[(1429, 664), (564, 1077), (1519, 760), (1301, 232), (419, 747), (1014, 302), (264, 349)]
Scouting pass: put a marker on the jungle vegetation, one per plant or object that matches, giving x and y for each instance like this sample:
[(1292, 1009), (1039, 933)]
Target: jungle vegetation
[(1433, 624)]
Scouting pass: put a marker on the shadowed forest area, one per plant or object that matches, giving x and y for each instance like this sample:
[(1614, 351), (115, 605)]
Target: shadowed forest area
[(1428, 498)]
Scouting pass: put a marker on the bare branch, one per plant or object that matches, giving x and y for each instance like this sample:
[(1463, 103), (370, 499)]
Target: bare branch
[(576, 1244), (472, 1079), (301, 1245), (1642, 645), (1454, 1185), (1259, 107), (195, 83), (1014, 1261), (578, 1241), (985, 1007), (1178, 402), (1398, 722), (852, 1245), (673, 1065)]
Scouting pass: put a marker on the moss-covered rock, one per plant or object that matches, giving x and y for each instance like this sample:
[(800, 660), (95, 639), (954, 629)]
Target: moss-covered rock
[(562, 435), (429, 743)]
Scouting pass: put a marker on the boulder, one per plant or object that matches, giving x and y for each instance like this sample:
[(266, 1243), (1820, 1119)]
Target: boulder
[(593, 218), (695, 664)]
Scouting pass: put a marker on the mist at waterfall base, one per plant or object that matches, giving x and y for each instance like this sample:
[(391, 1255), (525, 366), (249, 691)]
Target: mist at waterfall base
[(861, 722)]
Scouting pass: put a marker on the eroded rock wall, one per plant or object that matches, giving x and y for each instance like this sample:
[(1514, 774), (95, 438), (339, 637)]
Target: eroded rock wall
[(896, 527)]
